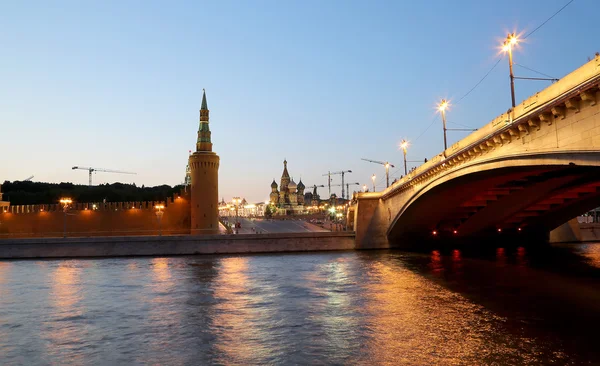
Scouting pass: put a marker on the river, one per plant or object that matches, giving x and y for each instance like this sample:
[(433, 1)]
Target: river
[(498, 306)]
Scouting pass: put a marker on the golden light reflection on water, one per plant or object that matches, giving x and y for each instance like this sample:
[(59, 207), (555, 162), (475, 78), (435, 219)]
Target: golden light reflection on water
[(65, 288), (592, 253), (162, 273), (236, 319), (65, 299), (5, 268), (412, 318)]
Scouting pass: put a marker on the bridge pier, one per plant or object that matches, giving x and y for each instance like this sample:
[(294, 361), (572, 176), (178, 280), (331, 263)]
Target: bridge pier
[(369, 223)]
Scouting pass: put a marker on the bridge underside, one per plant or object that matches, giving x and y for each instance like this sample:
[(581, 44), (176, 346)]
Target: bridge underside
[(516, 201)]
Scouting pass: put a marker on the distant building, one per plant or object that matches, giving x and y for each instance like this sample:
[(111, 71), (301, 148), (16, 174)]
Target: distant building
[(289, 198), (244, 209)]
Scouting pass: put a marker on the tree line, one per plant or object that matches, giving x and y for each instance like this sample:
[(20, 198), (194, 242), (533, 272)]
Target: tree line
[(35, 193)]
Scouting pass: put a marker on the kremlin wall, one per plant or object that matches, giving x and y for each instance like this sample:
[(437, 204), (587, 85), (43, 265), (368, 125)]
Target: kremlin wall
[(96, 219)]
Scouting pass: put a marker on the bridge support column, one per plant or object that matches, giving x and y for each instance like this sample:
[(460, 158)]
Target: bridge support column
[(568, 232), (369, 223)]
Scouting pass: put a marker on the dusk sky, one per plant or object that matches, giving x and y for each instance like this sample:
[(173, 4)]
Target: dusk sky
[(118, 84)]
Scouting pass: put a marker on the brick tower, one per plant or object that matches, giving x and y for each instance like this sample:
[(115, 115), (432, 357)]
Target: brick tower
[(204, 166)]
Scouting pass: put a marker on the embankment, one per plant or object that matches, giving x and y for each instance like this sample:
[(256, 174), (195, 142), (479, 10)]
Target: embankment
[(173, 245)]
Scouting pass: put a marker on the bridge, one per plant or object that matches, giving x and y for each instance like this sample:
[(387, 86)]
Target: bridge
[(522, 175)]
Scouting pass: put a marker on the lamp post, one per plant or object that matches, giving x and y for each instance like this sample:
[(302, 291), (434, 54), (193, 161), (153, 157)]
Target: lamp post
[(403, 146), (442, 108), (510, 41), (373, 179), (66, 202), (159, 215)]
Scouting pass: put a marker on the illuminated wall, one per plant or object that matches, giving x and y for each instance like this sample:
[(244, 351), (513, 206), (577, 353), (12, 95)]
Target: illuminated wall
[(96, 219)]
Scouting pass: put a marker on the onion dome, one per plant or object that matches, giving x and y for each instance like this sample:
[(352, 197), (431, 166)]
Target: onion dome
[(301, 185), (273, 185), (292, 185)]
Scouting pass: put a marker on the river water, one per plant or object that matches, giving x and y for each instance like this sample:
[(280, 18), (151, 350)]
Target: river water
[(498, 307)]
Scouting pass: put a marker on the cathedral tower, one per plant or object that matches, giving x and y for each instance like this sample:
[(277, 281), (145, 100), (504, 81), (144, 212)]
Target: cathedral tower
[(204, 166)]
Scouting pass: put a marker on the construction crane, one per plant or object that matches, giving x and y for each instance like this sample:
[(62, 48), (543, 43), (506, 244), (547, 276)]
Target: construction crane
[(28, 179), (314, 187), (387, 169), (91, 170), (329, 174), (347, 188)]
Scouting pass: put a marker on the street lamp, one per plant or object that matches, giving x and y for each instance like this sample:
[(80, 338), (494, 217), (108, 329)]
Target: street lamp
[(442, 108), (159, 215), (66, 202), (403, 146), (373, 179), (511, 40)]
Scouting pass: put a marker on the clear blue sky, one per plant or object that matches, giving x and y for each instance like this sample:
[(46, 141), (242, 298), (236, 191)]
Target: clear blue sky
[(118, 84)]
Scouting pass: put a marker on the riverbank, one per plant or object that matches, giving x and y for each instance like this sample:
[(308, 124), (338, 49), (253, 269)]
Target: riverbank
[(122, 246)]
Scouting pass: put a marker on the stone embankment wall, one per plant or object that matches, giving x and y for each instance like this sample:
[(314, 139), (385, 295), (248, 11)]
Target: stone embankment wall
[(173, 245), (96, 219)]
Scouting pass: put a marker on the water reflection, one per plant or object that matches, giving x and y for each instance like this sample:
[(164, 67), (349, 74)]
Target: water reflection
[(500, 257), (436, 264), (521, 259), (591, 252), (5, 268), (235, 317), (413, 318), (63, 336), (331, 310), (507, 306)]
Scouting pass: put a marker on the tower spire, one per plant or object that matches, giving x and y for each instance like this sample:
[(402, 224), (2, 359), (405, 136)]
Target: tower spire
[(204, 105), (204, 143)]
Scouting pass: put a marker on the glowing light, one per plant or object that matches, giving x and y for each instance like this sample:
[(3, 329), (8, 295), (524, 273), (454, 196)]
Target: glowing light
[(403, 146), (519, 229), (499, 230), (511, 40), (443, 105), (66, 201), (158, 207), (434, 232), (455, 232)]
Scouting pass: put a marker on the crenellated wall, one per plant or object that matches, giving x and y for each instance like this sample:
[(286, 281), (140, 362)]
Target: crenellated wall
[(96, 219)]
